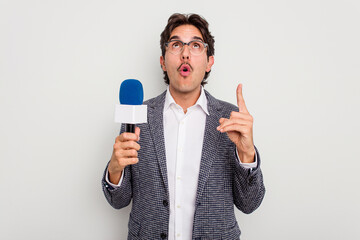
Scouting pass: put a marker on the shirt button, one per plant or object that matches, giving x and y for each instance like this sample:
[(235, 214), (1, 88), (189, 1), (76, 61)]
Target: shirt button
[(165, 203), (178, 235), (178, 178), (163, 235), (178, 206)]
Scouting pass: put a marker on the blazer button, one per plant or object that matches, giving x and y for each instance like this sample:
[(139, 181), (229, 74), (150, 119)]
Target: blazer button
[(163, 235), (165, 203)]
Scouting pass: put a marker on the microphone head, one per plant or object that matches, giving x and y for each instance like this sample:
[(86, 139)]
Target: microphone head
[(131, 92)]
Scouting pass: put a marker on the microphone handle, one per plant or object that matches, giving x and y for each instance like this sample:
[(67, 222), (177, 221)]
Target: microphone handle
[(130, 127)]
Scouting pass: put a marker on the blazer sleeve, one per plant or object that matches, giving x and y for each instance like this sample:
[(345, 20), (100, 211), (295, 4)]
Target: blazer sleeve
[(118, 197), (248, 186)]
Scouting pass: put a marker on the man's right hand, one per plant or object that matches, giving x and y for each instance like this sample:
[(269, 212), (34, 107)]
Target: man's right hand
[(124, 153)]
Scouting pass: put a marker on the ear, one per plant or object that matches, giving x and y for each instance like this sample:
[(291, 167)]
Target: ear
[(162, 63), (210, 63)]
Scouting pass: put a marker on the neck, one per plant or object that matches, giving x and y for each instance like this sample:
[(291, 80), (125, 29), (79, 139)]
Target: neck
[(185, 99)]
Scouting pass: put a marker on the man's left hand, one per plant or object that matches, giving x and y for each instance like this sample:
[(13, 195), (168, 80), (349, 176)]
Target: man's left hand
[(239, 128)]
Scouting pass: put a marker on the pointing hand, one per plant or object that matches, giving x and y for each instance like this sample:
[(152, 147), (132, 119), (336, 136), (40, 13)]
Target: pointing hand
[(239, 128)]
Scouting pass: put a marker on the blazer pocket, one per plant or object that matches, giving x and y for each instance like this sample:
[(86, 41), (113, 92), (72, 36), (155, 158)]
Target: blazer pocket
[(134, 227)]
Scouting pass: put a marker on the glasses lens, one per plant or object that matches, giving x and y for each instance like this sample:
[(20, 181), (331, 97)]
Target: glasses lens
[(197, 47), (175, 46)]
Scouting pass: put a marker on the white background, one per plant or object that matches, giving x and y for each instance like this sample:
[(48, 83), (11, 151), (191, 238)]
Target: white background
[(61, 65)]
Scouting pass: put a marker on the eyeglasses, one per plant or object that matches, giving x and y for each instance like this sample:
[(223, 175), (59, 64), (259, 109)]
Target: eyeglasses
[(197, 47)]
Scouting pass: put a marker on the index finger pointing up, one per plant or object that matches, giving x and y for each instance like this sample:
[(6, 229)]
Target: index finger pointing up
[(240, 99)]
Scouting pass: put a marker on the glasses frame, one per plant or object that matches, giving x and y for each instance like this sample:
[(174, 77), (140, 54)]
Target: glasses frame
[(188, 43)]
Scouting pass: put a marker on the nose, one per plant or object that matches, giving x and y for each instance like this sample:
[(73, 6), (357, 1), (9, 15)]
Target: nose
[(185, 54)]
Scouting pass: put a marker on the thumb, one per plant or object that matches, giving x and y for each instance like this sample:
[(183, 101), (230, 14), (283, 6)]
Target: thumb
[(137, 132)]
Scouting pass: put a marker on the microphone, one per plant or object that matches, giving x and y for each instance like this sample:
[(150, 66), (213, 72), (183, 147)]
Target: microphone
[(131, 111)]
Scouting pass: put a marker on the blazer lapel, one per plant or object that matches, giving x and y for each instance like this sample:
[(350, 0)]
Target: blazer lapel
[(155, 119), (211, 136)]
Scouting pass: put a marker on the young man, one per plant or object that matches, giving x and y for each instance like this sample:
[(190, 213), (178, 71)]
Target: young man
[(195, 158)]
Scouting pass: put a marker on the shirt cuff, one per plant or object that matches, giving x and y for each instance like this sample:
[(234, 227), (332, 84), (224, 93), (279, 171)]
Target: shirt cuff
[(111, 184), (247, 165)]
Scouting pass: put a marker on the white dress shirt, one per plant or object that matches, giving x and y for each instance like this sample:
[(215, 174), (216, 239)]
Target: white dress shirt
[(184, 135)]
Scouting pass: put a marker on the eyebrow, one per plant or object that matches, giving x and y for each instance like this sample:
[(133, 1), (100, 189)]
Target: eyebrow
[(175, 37)]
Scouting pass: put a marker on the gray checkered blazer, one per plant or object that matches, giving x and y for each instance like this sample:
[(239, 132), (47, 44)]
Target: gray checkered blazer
[(222, 183)]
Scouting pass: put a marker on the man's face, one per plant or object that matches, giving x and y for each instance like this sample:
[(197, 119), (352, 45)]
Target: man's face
[(185, 70)]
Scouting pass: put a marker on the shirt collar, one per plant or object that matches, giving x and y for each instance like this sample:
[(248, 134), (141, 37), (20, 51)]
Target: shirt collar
[(202, 100)]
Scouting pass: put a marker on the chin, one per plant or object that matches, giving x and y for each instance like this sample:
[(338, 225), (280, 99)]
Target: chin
[(185, 85), (188, 88)]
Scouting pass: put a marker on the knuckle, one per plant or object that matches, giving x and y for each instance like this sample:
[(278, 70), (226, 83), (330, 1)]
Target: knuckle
[(132, 137), (120, 152), (124, 135), (134, 152), (131, 161), (124, 160), (127, 136), (133, 144), (122, 145), (116, 154), (122, 163)]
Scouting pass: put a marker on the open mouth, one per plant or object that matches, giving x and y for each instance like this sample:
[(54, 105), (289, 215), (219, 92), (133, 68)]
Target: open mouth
[(185, 70)]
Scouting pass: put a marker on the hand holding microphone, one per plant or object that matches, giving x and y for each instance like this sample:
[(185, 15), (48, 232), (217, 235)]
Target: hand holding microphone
[(130, 111), (124, 154)]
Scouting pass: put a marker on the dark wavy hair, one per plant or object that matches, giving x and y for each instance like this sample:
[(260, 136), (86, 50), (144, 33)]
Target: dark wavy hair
[(197, 21)]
